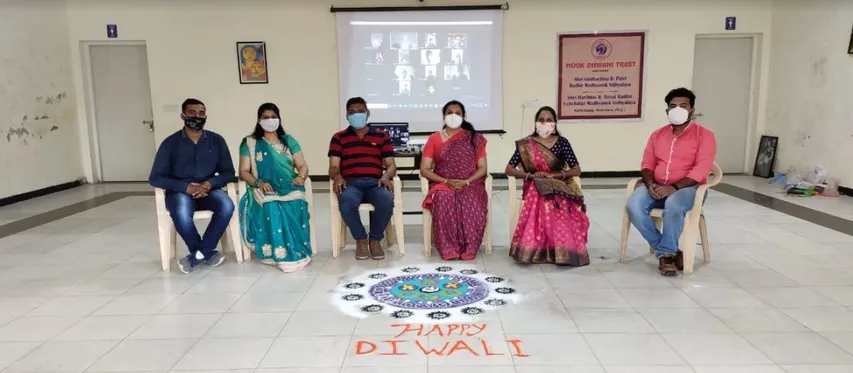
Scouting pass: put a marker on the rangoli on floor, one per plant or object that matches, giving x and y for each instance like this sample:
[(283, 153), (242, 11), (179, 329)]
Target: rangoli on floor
[(424, 293)]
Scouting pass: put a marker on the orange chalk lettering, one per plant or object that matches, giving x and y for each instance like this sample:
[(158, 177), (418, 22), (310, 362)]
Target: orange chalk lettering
[(452, 327), (461, 345), (480, 329), (408, 328), (431, 350), (435, 328), (516, 345), (360, 345), (486, 349), (394, 351)]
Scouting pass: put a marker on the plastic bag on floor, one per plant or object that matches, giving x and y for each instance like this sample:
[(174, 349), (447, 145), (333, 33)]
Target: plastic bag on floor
[(831, 189), (819, 174)]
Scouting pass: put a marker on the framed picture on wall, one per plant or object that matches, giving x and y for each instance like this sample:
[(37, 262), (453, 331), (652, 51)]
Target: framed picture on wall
[(766, 157), (252, 62)]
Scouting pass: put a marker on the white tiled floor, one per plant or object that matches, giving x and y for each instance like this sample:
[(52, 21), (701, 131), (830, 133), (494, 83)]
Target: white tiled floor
[(85, 294)]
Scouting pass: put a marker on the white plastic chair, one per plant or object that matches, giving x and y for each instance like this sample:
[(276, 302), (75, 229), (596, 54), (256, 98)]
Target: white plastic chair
[(309, 197), (428, 217), (168, 235), (693, 222), (339, 227), (516, 202)]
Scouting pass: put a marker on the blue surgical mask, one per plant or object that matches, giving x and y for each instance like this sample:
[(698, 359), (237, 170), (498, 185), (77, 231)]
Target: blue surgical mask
[(357, 120)]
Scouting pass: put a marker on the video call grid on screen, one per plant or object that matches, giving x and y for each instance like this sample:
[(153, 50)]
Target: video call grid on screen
[(412, 68)]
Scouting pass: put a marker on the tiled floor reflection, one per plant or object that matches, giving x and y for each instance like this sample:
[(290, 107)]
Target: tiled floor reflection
[(84, 293)]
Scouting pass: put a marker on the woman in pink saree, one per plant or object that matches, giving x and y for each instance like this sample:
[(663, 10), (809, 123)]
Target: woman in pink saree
[(552, 225), (454, 161)]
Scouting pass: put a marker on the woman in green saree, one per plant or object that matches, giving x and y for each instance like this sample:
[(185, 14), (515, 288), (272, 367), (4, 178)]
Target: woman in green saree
[(274, 211)]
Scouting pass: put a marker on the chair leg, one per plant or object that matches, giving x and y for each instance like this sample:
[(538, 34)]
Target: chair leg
[(688, 243), (389, 235), (234, 237), (703, 234), (626, 228), (398, 222), (427, 233), (173, 242), (336, 235), (164, 235), (489, 232)]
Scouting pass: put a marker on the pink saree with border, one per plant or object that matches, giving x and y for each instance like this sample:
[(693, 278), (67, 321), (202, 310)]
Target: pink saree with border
[(552, 225)]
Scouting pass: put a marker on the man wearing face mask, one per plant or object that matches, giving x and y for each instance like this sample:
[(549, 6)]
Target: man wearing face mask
[(193, 165), (357, 157), (677, 159)]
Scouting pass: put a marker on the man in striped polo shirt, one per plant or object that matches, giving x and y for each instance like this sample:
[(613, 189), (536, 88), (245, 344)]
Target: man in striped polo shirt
[(358, 156)]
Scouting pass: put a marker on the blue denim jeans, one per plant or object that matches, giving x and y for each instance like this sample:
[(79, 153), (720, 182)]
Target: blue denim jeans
[(675, 208), (182, 206), (366, 190)]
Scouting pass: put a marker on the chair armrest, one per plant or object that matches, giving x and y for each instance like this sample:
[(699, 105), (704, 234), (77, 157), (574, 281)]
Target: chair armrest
[(510, 181), (629, 190), (698, 200), (242, 189), (231, 189), (578, 181), (424, 186), (489, 182), (160, 201), (309, 190), (398, 189)]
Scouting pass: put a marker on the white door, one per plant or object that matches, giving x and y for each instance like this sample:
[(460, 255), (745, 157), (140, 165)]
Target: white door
[(123, 115), (722, 77)]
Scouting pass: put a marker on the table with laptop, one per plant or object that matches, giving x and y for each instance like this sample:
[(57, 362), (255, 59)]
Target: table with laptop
[(404, 148)]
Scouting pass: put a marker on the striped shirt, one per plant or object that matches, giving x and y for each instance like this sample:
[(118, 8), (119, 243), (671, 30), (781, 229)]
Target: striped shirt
[(361, 157)]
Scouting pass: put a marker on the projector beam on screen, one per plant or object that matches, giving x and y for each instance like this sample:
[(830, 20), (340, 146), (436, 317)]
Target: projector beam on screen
[(408, 65)]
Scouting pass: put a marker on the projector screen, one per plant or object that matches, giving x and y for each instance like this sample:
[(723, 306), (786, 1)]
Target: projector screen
[(407, 65)]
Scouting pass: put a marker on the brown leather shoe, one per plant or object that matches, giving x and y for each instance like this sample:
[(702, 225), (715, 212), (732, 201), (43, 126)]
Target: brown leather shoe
[(376, 251), (666, 265), (361, 250), (679, 260)]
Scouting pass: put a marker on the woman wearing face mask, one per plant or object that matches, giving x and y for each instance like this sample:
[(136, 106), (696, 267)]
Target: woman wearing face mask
[(274, 211), (454, 161), (552, 225)]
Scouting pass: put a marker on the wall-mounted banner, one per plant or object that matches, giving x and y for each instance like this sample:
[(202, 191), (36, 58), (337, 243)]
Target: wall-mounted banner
[(601, 76)]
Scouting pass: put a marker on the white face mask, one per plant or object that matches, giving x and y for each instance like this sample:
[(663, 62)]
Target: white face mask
[(453, 121), (270, 125), (545, 129), (678, 116)]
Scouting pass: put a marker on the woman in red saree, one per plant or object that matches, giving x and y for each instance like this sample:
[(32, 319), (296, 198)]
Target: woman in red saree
[(552, 225), (454, 161)]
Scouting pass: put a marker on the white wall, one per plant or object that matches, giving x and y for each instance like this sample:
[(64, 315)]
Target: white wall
[(191, 52), (810, 105), (39, 144)]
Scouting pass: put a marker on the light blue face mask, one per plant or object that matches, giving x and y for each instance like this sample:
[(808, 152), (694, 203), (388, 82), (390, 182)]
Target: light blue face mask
[(357, 120)]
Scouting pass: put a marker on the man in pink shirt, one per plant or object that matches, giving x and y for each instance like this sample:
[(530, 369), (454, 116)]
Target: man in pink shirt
[(677, 159)]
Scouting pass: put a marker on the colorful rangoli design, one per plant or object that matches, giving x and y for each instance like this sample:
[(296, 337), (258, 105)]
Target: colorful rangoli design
[(424, 294)]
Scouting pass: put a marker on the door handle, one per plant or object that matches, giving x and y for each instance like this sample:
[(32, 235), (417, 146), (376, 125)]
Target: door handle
[(700, 115), (150, 124)]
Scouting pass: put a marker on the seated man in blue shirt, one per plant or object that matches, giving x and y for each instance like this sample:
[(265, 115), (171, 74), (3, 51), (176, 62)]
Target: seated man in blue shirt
[(193, 165)]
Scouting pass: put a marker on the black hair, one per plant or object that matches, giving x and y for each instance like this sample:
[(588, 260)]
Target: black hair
[(681, 93), (356, 101), (258, 133), (466, 125), (190, 101), (553, 114)]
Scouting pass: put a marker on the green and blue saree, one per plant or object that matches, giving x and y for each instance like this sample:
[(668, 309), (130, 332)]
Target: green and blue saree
[(275, 225)]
